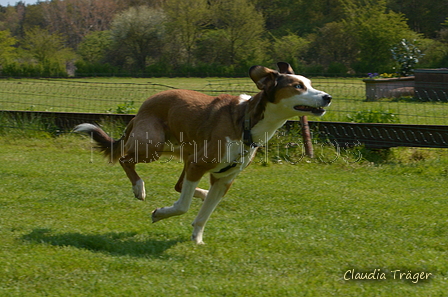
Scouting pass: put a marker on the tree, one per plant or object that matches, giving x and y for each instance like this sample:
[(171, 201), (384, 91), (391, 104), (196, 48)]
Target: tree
[(33, 17), (94, 46), (241, 27), (289, 48), (47, 49), (74, 19), (186, 20), (137, 34), (436, 51), (210, 49), (10, 20), (422, 16), (327, 48), (7, 50), (298, 16), (443, 33), (376, 31)]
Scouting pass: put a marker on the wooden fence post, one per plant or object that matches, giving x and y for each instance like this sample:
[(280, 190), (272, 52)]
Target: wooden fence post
[(306, 135)]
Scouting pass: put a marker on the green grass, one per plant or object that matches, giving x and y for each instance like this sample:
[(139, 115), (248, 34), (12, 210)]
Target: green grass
[(70, 227), (106, 94)]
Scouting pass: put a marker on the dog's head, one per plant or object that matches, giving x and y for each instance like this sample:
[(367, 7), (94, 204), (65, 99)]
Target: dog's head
[(291, 93)]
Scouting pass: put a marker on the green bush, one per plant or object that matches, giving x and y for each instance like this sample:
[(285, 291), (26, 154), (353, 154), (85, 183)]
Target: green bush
[(96, 69), (436, 54), (17, 69), (313, 69), (337, 69), (373, 116), (127, 107), (406, 55)]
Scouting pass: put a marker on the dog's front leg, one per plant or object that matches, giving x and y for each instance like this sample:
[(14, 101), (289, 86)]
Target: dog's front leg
[(218, 189)]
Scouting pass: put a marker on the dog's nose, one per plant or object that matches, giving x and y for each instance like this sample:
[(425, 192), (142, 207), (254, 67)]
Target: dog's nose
[(327, 98)]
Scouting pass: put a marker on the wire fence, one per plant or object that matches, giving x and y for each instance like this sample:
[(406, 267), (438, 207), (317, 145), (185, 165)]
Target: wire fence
[(71, 96), (349, 104), (410, 117)]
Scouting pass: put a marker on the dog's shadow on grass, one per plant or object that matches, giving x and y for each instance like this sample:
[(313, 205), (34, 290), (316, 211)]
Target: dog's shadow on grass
[(114, 243)]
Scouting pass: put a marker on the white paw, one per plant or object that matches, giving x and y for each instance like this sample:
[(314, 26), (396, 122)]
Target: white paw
[(154, 218), (197, 234), (139, 190), (197, 240)]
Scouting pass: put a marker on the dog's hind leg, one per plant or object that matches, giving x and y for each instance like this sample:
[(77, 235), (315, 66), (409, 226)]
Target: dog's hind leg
[(138, 185), (143, 145)]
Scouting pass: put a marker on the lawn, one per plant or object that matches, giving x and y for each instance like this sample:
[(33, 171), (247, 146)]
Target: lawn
[(126, 94), (70, 227)]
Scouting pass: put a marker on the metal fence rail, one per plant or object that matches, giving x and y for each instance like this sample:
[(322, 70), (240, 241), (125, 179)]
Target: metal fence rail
[(377, 136), (383, 135)]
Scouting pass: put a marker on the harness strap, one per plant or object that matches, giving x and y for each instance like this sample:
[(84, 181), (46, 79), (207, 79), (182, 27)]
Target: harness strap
[(247, 135), (232, 165), (235, 162), (247, 140)]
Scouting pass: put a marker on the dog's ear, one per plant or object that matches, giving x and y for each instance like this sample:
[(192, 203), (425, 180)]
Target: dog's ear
[(285, 68), (263, 77)]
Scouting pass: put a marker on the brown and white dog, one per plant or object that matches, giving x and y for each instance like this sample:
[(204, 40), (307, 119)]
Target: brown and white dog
[(215, 135)]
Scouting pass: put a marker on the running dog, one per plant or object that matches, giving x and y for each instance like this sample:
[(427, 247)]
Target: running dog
[(214, 135)]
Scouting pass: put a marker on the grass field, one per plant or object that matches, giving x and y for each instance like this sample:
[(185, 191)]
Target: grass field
[(70, 227), (109, 94)]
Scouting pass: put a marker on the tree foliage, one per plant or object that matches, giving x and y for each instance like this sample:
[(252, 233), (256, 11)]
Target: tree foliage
[(8, 52), (45, 47), (290, 48), (407, 55), (375, 30), (76, 18), (94, 47), (187, 20), (47, 51), (241, 27), (333, 45), (137, 33), (223, 37)]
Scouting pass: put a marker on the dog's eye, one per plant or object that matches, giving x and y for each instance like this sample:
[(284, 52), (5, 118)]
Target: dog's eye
[(299, 86)]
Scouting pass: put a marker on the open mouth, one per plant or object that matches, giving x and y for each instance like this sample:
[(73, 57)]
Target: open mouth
[(313, 110)]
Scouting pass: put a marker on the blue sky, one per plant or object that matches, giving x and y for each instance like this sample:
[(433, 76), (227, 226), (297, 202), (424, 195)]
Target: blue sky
[(13, 2)]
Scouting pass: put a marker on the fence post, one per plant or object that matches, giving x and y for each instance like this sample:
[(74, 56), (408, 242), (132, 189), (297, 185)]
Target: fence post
[(306, 135)]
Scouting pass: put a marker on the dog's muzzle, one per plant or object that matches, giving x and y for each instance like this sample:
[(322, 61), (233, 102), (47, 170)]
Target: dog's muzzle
[(316, 111)]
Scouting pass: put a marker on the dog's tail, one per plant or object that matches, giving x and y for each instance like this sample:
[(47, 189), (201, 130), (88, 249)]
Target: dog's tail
[(112, 149)]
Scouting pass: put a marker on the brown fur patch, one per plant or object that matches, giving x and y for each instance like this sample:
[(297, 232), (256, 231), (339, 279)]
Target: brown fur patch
[(286, 88)]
